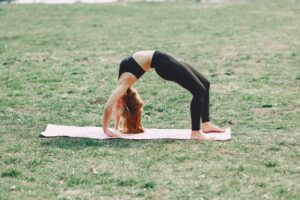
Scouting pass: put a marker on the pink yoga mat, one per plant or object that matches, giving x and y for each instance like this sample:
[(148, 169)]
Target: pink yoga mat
[(97, 133)]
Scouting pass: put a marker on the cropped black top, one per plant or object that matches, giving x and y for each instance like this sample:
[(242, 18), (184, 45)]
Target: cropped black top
[(131, 66)]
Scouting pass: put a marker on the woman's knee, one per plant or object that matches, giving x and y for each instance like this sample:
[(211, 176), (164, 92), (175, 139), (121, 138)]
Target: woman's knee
[(199, 92), (206, 84)]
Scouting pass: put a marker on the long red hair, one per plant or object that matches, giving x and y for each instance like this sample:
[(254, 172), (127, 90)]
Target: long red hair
[(132, 113)]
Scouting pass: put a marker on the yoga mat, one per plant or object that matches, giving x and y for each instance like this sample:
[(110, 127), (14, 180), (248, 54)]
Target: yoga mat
[(97, 133)]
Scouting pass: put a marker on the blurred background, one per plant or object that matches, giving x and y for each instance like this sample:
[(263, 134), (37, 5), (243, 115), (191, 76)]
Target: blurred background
[(109, 1)]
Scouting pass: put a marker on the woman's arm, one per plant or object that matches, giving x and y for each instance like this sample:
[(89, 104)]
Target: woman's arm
[(119, 108), (116, 94), (117, 120)]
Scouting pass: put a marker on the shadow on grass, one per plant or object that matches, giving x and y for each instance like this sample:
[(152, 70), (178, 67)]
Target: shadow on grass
[(80, 143)]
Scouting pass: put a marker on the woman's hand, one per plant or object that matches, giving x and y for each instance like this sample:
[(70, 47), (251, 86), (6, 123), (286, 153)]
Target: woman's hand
[(110, 104), (110, 133)]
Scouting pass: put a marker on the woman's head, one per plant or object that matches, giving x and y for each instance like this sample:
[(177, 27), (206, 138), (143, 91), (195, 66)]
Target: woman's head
[(132, 113)]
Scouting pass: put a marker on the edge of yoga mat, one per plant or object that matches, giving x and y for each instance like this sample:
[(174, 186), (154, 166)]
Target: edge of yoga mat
[(97, 133)]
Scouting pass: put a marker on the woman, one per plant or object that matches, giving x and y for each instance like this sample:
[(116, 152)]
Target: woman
[(127, 103)]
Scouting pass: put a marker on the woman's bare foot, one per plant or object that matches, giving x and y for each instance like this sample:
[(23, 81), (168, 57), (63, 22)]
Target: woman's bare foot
[(210, 127), (197, 135)]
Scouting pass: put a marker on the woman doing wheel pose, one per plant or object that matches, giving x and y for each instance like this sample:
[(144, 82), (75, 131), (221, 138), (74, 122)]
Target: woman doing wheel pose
[(127, 103)]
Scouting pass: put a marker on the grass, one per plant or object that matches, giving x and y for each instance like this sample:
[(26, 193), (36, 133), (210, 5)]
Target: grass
[(58, 64)]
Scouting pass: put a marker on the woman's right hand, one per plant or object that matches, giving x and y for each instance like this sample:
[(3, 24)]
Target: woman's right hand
[(110, 133)]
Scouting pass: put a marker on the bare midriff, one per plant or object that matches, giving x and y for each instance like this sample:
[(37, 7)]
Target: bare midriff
[(144, 59)]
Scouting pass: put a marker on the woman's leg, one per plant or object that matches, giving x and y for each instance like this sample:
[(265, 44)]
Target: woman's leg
[(206, 83), (173, 70), (188, 80), (207, 126), (169, 68)]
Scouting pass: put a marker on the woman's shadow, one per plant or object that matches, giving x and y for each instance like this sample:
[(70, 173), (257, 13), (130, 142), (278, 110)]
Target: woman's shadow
[(81, 143)]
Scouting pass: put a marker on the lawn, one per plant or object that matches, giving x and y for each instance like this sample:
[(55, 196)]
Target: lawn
[(59, 63)]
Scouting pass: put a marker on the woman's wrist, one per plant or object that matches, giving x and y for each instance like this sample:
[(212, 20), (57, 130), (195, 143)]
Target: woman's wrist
[(105, 129)]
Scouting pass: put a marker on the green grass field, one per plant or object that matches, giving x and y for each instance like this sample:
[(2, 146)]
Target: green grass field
[(58, 64)]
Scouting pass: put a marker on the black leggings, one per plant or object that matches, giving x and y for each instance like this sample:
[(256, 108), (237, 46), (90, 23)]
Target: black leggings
[(171, 69)]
